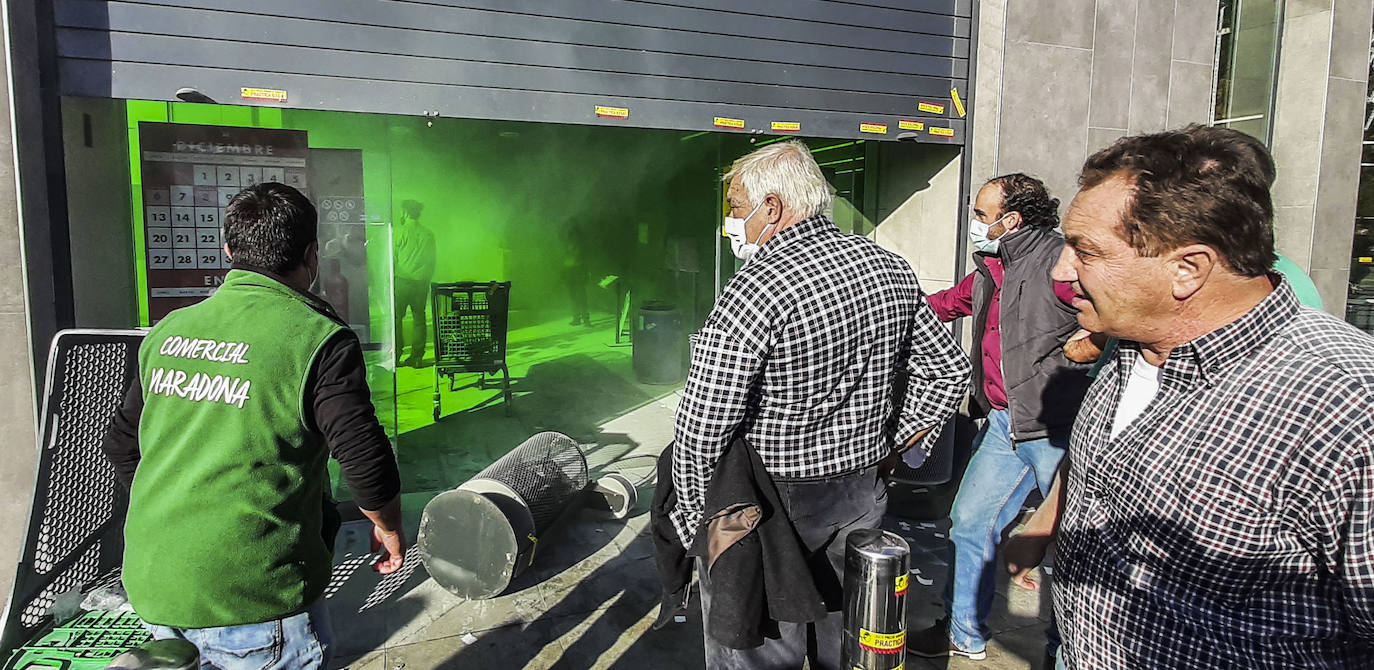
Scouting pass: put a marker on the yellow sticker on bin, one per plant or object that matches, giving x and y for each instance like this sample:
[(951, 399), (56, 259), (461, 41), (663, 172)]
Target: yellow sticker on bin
[(786, 126), (908, 124), (958, 103), (876, 128), (882, 643), (931, 108), (901, 585), (942, 132), (723, 122)]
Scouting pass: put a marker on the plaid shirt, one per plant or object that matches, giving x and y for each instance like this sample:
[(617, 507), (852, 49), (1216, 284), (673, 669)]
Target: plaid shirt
[(1229, 525), (800, 353)]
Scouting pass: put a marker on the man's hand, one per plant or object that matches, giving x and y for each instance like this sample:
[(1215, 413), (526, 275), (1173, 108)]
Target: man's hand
[(387, 534), (1085, 346), (888, 465), (1024, 552), (394, 544)]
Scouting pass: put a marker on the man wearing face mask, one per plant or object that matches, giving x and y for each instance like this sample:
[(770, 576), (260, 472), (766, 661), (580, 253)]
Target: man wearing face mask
[(797, 359), (1023, 383)]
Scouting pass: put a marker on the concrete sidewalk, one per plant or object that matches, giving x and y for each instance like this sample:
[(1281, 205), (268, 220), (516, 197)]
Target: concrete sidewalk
[(592, 593)]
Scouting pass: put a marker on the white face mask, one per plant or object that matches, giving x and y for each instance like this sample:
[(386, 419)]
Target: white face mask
[(740, 245), (978, 234)]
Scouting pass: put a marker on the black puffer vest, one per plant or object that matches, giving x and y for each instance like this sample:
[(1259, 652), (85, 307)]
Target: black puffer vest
[(1044, 388)]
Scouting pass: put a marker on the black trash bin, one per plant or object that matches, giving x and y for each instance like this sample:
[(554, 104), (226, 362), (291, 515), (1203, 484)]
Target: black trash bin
[(660, 344)]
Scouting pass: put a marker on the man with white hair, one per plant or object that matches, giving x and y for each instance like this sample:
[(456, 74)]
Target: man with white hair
[(798, 358)]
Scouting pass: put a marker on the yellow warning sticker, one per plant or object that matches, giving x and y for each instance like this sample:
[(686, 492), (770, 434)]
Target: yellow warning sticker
[(882, 643), (723, 122), (786, 126), (958, 103), (1367, 259), (908, 124), (901, 585), (942, 132), (878, 128), (273, 94), (612, 112), (931, 108)]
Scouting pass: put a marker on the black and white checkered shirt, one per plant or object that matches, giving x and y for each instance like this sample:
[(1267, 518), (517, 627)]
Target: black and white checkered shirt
[(1229, 525), (801, 352)]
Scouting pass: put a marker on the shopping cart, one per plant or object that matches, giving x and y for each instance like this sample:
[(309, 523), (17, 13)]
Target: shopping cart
[(470, 321)]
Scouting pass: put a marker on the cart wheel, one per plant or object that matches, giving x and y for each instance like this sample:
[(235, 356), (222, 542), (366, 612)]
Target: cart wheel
[(436, 413)]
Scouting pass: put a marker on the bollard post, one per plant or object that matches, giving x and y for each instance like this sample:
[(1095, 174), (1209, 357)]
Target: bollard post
[(876, 568)]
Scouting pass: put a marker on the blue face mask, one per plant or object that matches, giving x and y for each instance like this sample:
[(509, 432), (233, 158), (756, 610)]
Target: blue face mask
[(978, 234)]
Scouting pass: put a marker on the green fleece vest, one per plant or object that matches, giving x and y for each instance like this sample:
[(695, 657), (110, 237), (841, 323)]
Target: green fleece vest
[(224, 524)]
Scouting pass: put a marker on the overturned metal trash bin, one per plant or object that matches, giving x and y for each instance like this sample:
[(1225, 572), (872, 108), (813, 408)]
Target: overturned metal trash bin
[(478, 537), (876, 570)]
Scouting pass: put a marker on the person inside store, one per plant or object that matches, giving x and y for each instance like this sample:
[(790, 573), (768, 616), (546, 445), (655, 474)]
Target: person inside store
[(793, 371), (222, 443), (575, 273), (1024, 385), (1216, 504), (414, 257)]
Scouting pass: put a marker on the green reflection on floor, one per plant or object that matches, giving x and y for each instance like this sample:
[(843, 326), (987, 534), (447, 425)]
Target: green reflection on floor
[(570, 379)]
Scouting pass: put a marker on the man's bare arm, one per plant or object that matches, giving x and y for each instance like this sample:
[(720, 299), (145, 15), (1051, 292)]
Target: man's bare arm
[(1025, 550)]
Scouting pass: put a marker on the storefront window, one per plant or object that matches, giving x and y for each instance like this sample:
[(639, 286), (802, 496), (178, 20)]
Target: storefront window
[(601, 232), (1359, 307), (1246, 65)]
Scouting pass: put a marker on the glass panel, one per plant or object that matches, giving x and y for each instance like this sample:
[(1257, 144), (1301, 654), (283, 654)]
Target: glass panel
[(603, 233), (1359, 307), (195, 156), (1247, 54)]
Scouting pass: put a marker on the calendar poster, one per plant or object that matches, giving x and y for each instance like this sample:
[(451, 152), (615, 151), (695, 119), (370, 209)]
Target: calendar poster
[(189, 174)]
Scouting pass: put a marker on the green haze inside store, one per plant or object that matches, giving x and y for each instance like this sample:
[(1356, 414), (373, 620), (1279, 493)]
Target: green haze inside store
[(625, 216)]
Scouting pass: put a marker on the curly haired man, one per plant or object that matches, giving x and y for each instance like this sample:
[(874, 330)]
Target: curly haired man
[(1023, 383)]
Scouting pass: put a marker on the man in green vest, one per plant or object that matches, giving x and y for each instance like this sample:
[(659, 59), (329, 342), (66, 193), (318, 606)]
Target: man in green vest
[(242, 399)]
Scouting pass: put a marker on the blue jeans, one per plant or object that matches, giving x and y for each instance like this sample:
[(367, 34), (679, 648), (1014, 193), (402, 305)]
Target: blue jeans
[(999, 477), (300, 641)]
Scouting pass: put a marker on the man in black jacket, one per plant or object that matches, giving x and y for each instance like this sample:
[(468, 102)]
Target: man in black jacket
[(1024, 384)]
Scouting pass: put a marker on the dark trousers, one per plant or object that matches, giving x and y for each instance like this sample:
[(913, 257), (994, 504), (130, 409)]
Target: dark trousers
[(576, 278), (823, 513), (411, 294)]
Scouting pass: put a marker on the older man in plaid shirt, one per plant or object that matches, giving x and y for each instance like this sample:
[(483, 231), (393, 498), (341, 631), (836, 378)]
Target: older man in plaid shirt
[(1220, 495), (799, 356)]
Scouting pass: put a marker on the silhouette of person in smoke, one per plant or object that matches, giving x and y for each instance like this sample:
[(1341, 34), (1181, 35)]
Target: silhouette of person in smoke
[(575, 274), (414, 256)]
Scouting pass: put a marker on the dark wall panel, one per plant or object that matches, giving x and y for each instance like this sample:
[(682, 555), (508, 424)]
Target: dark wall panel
[(673, 63), (815, 67)]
